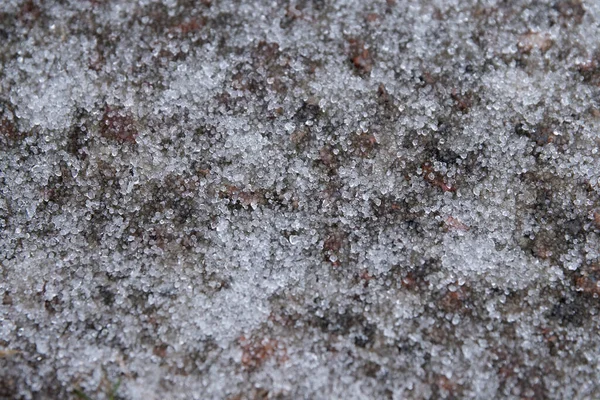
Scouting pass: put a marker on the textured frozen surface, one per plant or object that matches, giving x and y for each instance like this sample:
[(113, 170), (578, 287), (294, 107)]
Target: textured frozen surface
[(313, 199)]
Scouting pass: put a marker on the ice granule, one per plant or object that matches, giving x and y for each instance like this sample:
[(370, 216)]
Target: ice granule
[(306, 199)]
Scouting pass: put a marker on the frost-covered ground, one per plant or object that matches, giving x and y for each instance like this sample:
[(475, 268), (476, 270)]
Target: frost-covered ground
[(307, 199)]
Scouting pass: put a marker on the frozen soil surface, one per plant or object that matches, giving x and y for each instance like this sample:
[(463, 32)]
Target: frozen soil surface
[(306, 199)]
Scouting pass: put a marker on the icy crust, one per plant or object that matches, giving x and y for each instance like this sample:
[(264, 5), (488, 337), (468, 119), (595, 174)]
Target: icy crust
[(312, 199)]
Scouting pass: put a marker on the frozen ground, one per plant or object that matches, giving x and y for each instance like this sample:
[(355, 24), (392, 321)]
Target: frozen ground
[(299, 200)]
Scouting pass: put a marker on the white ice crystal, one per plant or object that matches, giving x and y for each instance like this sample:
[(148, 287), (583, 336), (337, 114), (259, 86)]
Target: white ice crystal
[(306, 199)]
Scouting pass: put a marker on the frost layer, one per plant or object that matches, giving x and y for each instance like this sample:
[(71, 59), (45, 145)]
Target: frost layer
[(308, 199)]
